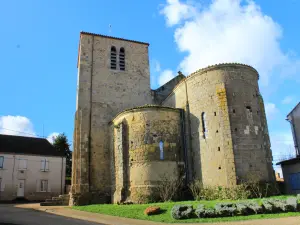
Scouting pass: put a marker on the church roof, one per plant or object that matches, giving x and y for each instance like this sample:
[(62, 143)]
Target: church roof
[(116, 38), (213, 67), (144, 107)]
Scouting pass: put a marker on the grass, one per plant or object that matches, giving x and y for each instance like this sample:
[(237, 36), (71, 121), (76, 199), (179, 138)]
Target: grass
[(136, 211)]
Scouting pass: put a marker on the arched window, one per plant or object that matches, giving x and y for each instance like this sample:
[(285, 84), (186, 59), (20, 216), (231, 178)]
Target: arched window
[(113, 58), (122, 59), (204, 129), (161, 150)]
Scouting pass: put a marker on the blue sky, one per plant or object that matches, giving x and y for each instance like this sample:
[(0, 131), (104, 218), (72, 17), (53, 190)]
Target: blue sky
[(40, 42)]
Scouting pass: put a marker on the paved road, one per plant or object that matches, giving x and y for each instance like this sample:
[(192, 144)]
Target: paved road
[(10, 215)]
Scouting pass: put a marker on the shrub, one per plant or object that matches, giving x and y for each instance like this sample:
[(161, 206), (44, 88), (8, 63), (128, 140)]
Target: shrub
[(182, 212), (168, 187), (292, 203), (298, 197), (225, 209), (280, 205), (152, 210), (242, 209), (195, 188), (253, 207), (267, 206), (202, 212), (216, 192)]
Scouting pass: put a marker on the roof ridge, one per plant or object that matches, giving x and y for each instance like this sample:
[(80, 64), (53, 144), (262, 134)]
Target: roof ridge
[(106, 36), (144, 107), (208, 68)]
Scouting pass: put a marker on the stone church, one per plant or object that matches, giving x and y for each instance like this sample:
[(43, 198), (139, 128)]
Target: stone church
[(209, 125)]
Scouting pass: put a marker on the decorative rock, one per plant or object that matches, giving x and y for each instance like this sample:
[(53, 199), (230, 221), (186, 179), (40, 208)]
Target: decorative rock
[(152, 210)]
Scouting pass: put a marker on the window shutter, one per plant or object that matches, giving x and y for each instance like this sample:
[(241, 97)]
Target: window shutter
[(49, 188), (1, 161), (46, 165), (38, 185), (43, 164)]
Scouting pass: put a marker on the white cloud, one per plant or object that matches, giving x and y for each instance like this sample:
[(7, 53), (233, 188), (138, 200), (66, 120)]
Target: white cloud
[(271, 110), (52, 136), (16, 125), (165, 76), (287, 100), (227, 31), (176, 11), (20, 126)]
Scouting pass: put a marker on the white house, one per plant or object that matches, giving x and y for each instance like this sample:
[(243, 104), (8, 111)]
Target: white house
[(291, 167), (30, 168)]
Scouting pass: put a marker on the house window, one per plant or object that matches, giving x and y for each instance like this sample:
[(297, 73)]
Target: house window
[(161, 150), (45, 165), (294, 179), (22, 164), (1, 162), (122, 59), (44, 185), (204, 128), (113, 58)]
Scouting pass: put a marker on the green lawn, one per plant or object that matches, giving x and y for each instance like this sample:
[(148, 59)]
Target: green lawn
[(137, 211)]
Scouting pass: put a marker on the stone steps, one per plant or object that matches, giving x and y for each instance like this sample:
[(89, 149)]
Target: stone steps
[(55, 201)]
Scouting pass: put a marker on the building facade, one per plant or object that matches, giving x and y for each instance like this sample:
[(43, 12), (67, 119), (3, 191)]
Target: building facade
[(30, 168), (294, 119), (210, 126), (291, 167)]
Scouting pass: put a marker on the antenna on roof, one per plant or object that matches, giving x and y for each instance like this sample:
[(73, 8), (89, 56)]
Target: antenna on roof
[(43, 131), (109, 26)]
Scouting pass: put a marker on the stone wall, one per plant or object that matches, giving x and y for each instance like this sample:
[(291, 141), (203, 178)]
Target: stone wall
[(227, 143), (138, 164), (162, 92), (101, 94)]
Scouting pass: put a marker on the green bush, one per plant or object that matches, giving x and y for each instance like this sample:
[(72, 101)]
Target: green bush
[(225, 209), (280, 205), (179, 212), (216, 192), (267, 206), (253, 207), (202, 212), (298, 197), (292, 202), (242, 209)]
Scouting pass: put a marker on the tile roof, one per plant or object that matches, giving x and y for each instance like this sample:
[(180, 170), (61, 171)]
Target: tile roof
[(27, 145), (289, 161), (105, 36)]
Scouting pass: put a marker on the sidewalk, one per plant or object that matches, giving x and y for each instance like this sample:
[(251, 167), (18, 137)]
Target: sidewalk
[(113, 220)]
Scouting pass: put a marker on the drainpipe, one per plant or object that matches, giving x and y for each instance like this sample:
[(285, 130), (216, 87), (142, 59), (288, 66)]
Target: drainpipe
[(12, 175), (62, 169), (90, 124)]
